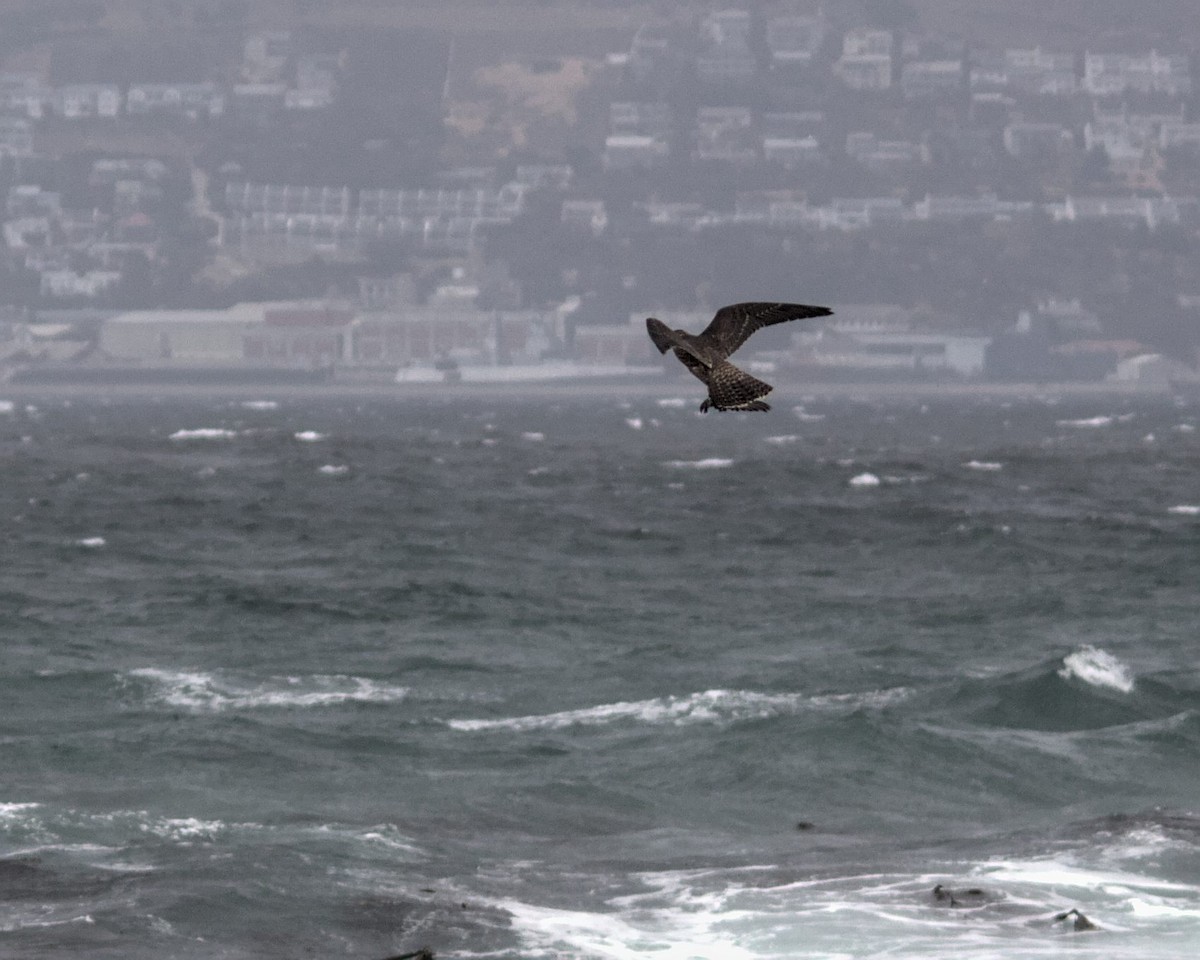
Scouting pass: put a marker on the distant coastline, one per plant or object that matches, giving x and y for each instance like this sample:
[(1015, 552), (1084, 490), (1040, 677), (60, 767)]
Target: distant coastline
[(786, 393)]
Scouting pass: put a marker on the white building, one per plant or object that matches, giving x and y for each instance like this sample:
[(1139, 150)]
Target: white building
[(192, 100), (1034, 140), (86, 100), (589, 215), (864, 42), (1040, 72), (865, 72), (726, 134), (927, 79), (16, 137), (68, 283), (1106, 74), (793, 40), (630, 150), (1179, 134)]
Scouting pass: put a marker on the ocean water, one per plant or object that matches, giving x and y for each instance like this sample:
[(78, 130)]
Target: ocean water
[(584, 678)]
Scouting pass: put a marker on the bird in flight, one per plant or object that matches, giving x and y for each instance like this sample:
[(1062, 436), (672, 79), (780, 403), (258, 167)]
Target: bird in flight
[(706, 354)]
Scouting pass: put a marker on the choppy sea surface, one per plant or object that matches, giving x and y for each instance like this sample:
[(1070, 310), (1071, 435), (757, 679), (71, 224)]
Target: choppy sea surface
[(580, 678)]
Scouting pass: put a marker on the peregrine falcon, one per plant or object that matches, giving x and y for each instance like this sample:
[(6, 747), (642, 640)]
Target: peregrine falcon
[(706, 354)]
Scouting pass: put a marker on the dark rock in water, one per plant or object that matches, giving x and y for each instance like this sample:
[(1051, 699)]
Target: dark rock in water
[(805, 825), (962, 897), (423, 954), (1081, 922)]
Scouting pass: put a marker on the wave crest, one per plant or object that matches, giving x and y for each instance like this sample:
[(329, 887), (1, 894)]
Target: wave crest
[(206, 691), (710, 706), (1097, 667)]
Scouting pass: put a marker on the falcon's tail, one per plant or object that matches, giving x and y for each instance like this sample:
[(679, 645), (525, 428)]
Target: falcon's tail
[(732, 389)]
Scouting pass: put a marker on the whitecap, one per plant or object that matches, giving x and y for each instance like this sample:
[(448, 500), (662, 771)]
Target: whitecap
[(184, 828), (11, 812), (1054, 872), (708, 463), (204, 433), (1086, 422), (672, 402), (92, 543), (260, 404), (662, 934), (1096, 667), (634, 423), (1184, 428), (782, 439), (7, 407), (986, 465), (533, 436), (1185, 509), (805, 417), (333, 469), (207, 691), (709, 706), (865, 480), (309, 436)]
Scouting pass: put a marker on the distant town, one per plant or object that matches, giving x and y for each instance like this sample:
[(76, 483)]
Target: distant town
[(310, 202)]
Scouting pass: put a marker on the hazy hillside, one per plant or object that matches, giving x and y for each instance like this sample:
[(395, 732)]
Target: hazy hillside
[(1060, 23)]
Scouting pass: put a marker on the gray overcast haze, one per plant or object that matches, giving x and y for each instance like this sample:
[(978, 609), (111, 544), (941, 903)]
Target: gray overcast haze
[(1007, 191)]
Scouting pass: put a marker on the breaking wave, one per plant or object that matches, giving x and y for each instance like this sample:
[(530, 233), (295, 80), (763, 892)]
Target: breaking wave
[(209, 692), (1098, 668), (710, 706), (204, 433), (708, 463)]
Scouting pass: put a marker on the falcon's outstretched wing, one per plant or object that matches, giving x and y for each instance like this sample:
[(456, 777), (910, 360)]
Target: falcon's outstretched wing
[(732, 325)]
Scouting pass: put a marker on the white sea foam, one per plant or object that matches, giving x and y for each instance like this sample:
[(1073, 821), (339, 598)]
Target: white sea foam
[(13, 812), (333, 469), (384, 836), (1098, 668), (661, 934), (7, 407), (782, 439), (184, 829), (92, 543), (634, 423), (805, 417), (710, 706), (1062, 872), (865, 480), (533, 436), (675, 402), (985, 465), (260, 404), (18, 922), (1185, 509), (207, 691), (1184, 428), (708, 463), (309, 436), (1086, 422), (204, 433)]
